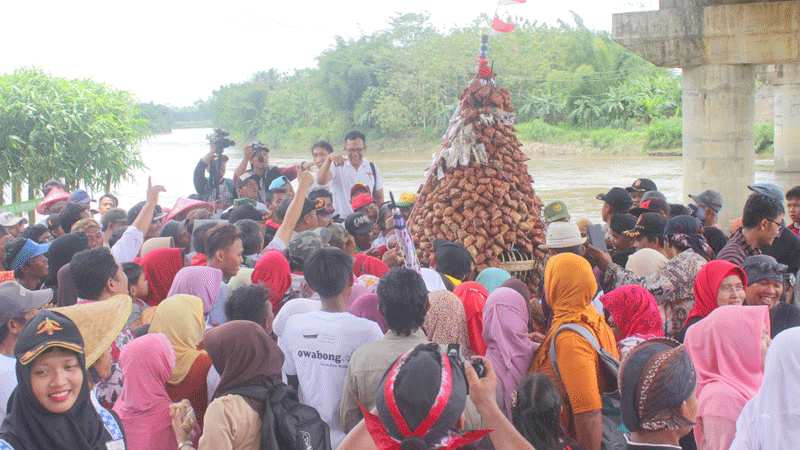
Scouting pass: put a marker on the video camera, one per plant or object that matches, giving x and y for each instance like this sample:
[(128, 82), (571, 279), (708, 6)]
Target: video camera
[(219, 140)]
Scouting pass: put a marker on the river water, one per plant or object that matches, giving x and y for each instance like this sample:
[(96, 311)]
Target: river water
[(171, 158)]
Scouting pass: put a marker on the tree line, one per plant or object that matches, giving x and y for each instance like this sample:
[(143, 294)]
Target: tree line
[(407, 79)]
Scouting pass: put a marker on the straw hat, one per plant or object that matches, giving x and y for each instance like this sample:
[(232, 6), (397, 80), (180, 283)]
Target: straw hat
[(99, 322), (154, 243)]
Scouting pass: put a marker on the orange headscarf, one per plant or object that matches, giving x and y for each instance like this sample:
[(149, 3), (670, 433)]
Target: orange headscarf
[(570, 286)]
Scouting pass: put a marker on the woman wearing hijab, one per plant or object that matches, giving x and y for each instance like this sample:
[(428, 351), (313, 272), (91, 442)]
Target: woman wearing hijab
[(445, 322), (570, 287), (718, 283), (492, 278), (683, 243), (367, 307), (160, 266), (473, 296), (143, 407), (200, 281), (180, 319), (633, 315), (505, 331), (727, 349), (61, 252), (658, 401), (52, 406), (771, 418), (272, 270), (233, 419)]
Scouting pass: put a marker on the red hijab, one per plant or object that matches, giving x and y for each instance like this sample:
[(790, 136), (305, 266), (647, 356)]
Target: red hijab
[(272, 270), (634, 311), (706, 286), (160, 267), (473, 296)]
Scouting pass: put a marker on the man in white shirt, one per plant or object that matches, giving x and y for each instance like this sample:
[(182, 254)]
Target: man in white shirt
[(346, 172), (17, 306), (317, 346)]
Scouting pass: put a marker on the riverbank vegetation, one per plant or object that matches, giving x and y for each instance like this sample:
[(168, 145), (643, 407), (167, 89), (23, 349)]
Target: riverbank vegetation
[(79, 131), (567, 82)]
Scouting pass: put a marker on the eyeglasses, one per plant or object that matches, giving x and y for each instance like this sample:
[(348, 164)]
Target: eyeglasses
[(779, 224)]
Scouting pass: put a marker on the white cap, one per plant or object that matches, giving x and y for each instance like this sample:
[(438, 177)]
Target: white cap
[(563, 235), (8, 219)]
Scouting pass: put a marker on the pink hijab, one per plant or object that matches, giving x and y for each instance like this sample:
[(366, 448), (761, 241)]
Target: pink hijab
[(200, 281), (143, 406), (366, 307), (726, 351), (505, 331)]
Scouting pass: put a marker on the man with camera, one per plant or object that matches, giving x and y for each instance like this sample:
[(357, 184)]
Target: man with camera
[(256, 156), (214, 187)]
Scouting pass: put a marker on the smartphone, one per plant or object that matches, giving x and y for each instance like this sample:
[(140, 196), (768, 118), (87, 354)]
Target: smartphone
[(596, 237)]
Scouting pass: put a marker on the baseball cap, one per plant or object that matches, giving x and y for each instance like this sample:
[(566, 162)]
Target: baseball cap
[(654, 194), (16, 300), (114, 216), (302, 246), (562, 235), (618, 198), (620, 223), (708, 199), (556, 211), (360, 201), (28, 251), (47, 329), (651, 205), (8, 219), (359, 187), (649, 224), (81, 196), (279, 184), (770, 190), (763, 267), (642, 185), (245, 177), (358, 224)]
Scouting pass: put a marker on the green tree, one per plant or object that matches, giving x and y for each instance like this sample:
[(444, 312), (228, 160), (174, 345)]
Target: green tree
[(82, 132)]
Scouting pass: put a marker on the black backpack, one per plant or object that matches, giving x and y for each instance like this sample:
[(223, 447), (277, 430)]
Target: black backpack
[(287, 424)]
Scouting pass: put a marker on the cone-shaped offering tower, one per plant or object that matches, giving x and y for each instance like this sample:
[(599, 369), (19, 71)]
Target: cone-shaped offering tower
[(478, 190)]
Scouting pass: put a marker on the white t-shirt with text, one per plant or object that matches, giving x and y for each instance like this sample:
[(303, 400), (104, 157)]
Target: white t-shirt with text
[(8, 382), (317, 347)]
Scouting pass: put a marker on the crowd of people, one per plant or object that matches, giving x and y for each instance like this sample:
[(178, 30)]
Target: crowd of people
[(274, 309)]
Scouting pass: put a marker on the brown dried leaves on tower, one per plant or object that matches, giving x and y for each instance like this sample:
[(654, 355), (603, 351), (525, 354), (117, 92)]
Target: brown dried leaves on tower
[(478, 190)]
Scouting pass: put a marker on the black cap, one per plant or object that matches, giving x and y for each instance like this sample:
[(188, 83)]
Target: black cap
[(308, 206), (648, 225), (620, 223), (452, 258), (651, 205), (642, 185), (618, 198), (158, 214), (47, 329), (358, 224)]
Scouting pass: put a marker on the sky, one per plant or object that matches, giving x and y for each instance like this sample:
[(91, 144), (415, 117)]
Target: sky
[(177, 51)]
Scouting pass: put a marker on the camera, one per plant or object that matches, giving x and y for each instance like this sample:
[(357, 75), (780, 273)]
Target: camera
[(219, 140), (454, 353), (257, 146)]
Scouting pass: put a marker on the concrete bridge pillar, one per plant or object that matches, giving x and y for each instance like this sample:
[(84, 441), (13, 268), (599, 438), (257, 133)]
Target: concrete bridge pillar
[(718, 107), (787, 118)]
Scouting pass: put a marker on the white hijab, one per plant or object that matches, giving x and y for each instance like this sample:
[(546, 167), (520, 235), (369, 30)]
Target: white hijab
[(771, 419), (645, 261)]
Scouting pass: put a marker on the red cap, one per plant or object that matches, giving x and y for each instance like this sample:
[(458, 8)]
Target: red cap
[(360, 201)]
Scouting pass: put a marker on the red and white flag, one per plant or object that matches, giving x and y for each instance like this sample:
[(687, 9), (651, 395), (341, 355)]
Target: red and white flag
[(502, 27), (510, 2)]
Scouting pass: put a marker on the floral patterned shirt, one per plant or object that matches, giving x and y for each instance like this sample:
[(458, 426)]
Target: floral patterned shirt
[(672, 286)]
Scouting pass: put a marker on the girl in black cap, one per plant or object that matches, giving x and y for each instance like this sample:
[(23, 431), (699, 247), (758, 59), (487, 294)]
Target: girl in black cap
[(52, 407)]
